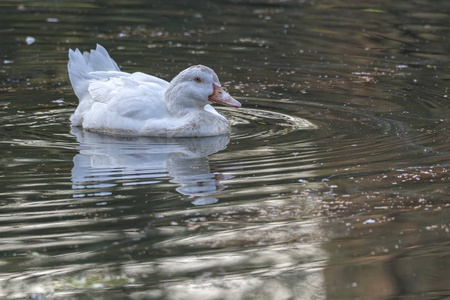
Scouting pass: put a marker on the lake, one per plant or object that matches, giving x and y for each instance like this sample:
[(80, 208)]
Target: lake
[(334, 183)]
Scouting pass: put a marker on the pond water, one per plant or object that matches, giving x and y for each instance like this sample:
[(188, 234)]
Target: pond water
[(334, 183)]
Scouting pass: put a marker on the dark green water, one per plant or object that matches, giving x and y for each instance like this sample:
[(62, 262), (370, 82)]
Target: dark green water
[(355, 207)]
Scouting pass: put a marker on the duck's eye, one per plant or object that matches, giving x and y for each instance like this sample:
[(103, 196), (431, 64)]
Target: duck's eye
[(198, 79)]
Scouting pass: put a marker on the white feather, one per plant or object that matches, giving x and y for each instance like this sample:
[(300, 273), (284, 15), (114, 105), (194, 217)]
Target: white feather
[(137, 104)]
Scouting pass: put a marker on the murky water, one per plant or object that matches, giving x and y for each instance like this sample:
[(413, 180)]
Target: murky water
[(333, 184)]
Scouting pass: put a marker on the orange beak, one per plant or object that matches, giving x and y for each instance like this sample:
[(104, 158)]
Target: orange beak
[(222, 97)]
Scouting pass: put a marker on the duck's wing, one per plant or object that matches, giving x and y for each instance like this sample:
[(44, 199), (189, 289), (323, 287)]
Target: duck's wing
[(109, 96), (137, 96)]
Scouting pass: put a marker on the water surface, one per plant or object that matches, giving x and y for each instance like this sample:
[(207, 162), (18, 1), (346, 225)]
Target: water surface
[(332, 185)]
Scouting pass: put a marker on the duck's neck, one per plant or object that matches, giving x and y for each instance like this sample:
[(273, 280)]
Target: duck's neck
[(179, 104)]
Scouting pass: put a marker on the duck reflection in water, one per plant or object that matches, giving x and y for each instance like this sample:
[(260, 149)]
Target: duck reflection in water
[(105, 161)]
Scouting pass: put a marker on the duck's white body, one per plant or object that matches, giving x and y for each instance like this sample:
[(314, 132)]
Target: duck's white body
[(117, 102)]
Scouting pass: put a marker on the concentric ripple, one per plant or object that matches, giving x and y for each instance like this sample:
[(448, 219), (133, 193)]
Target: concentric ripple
[(259, 191), (249, 123)]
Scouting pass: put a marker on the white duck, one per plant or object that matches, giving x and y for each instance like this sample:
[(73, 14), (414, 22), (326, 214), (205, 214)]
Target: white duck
[(138, 104)]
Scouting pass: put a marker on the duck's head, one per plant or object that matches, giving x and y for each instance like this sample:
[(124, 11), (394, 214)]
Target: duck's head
[(195, 86)]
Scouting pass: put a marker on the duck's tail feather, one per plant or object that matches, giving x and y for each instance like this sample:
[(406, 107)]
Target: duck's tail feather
[(80, 65)]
